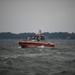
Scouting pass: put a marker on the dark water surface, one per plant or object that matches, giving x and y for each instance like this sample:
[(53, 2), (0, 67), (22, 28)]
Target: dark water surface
[(37, 61)]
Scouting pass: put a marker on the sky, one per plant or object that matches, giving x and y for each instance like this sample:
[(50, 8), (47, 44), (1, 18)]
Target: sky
[(19, 16)]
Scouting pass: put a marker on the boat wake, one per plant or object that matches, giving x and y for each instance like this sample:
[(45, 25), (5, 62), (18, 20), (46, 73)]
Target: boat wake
[(41, 46)]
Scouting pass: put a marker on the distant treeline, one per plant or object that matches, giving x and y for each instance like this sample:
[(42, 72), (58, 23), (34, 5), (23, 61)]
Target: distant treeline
[(55, 35)]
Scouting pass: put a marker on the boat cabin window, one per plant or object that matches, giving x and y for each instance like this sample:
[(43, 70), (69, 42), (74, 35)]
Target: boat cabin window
[(40, 38)]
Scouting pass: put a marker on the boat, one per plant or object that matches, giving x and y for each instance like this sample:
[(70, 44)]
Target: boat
[(34, 41)]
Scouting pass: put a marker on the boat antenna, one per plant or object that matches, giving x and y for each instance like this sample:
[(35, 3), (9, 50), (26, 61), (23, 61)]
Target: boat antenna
[(40, 32)]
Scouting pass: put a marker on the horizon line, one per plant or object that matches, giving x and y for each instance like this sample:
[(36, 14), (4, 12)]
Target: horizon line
[(37, 32)]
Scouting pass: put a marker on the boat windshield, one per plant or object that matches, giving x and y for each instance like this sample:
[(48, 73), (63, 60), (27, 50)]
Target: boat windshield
[(36, 38)]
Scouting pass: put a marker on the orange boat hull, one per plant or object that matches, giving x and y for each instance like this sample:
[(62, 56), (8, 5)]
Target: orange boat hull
[(35, 43)]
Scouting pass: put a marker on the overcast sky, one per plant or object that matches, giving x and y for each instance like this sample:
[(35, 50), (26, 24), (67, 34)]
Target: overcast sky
[(20, 16)]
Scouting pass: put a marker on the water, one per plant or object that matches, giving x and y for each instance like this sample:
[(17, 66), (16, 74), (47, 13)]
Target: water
[(38, 60)]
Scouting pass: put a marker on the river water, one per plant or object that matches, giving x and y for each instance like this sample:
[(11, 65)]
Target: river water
[(15, 60)]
